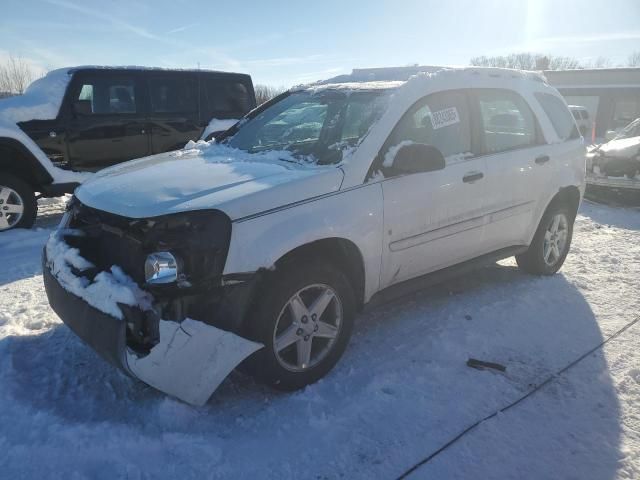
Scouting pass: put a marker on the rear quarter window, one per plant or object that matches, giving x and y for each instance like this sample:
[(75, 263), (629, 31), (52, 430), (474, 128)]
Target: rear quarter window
[(559, 115)]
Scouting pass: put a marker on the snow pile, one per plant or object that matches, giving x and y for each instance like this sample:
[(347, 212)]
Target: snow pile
[(41, 100), (107, 289), (217, 125)]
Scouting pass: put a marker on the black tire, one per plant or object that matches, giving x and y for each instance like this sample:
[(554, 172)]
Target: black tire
[(26, 197), (533, 260), (265, 365)]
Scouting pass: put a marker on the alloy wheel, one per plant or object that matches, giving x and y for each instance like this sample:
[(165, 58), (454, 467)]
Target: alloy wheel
[(555, 239), (307, 327), (11, 208)]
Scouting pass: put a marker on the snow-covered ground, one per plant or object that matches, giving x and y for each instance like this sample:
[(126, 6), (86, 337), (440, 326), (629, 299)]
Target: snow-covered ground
[(401, 391)]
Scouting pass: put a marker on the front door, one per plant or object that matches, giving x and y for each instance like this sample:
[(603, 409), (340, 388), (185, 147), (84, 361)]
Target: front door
[(108, 124), (434, 219)]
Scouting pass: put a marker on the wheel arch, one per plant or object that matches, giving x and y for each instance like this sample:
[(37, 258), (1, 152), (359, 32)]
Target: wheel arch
[(340, 252), (17, 160), (568, 196)]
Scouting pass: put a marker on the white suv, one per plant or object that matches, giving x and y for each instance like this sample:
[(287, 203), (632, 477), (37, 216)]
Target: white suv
[(266, 244)]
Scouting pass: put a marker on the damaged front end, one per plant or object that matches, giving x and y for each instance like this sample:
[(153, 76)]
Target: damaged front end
[(149, 295)]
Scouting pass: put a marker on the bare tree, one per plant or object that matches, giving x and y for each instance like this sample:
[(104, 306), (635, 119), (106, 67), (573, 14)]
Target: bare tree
[(265, 93), (527, 61), (600, 62), (634, 59), (16, 75)]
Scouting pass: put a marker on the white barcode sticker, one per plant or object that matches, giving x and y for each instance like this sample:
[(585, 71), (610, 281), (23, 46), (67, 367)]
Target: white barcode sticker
[(444, 118)]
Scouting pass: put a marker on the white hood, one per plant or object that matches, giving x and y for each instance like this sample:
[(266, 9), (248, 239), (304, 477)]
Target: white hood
[(206, 177), (624, 147)]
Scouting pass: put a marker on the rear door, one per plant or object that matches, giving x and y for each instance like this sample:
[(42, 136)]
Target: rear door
[(174, 109), (433, 219), (111, 126), (518, 164)]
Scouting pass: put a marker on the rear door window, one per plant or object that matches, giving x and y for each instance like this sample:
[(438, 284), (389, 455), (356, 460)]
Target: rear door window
[(559, 115), (173, 94), (108, 95), (507, 121)]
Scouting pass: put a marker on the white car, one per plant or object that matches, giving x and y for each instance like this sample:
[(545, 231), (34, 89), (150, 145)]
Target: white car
[(266, 244), (620, 156)]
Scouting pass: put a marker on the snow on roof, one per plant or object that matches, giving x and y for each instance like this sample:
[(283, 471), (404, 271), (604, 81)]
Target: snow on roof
[(350, 86), (403, 74), (80, 68), (41, 100)]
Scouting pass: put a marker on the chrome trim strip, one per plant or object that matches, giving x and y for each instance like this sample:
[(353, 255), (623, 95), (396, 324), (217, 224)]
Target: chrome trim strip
[(459, 227)]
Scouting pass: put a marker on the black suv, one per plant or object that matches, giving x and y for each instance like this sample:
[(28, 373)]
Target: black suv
[(86, 118)]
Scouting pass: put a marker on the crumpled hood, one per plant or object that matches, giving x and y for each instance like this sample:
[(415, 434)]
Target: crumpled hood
[(206, 177), (624, 147)]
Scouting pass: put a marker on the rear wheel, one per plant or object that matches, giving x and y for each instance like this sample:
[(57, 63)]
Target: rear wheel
[(550, 244), (304, 318), (18, 206)]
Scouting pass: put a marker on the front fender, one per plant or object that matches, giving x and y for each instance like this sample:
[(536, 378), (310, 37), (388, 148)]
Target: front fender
[(354, 214)]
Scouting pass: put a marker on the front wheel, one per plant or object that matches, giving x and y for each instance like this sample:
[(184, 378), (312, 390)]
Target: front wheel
[(550, 244), (18, 206), (304, 318)]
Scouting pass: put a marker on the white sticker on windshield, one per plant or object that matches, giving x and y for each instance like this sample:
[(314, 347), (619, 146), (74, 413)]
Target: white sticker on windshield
[(444, 118)]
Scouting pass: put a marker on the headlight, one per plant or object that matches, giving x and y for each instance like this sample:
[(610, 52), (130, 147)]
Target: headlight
[(160, 267)]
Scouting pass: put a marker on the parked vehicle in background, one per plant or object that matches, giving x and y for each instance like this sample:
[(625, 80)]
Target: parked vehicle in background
[(581, 115), (611, 96), (268, 242), (83, 119), (616, 164)]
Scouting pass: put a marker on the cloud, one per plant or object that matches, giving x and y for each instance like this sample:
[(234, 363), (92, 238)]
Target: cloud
[(182, 29), (116, 22)]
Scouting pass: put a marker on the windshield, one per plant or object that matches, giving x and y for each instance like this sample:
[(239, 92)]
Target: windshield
[(315, 127), (631, 130)]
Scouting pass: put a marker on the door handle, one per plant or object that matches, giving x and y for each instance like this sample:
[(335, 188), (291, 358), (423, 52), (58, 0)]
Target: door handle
[(472, 177), (542, 159)]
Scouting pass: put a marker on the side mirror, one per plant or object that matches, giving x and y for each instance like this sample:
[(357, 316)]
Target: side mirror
[(82, 107), (418, 158)]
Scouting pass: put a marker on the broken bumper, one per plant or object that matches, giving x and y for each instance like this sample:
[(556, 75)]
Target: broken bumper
[(102, 332), (189, 362)]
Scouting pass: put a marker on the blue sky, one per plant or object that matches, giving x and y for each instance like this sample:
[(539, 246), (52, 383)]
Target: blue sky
[(285, 43)]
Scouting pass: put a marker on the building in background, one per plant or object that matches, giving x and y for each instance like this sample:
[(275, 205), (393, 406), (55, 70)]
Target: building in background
[(611, 96)]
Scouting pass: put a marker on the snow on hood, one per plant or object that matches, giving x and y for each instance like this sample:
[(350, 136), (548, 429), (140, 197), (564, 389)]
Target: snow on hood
[(41, 100), (218, 125), (624, 147), (205, 176)]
